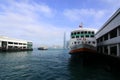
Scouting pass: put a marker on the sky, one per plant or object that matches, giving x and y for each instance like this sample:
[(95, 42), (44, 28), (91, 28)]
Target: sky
[(44, 22)]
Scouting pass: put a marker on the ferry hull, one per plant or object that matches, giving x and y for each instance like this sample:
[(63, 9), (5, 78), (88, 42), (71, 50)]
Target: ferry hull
[(83, 48)]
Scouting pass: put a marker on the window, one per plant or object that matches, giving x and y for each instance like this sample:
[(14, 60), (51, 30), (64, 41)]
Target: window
[(106, 37), (24, 44), (113, 33), (89, 42), (87, 36), (89, 32), (74, 33), (71, 33), (93, 42), (85, 32), (9, 47), (82, 32), (20, 43), (15, 43), (10, 42), (92, 32), (82, 36), (78, 32), (74, 42), (73, 37), (77, 36), (92, 35)]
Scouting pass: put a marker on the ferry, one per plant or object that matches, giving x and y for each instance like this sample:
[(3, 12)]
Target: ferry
[(82, 41), (42, 48)]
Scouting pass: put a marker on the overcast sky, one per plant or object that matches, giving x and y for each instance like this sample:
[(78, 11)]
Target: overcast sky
[(44, 21)]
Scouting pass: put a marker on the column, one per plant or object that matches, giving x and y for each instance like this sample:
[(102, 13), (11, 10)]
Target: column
[(118, 33), (103, 49), (6, 45), (108, 36), (118, 50), (108, 50)]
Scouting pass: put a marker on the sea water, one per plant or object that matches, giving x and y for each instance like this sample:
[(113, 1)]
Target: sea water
[(51, 65)]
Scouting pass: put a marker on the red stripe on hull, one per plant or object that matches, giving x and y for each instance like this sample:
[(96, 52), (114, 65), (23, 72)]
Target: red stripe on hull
[(82, 50)]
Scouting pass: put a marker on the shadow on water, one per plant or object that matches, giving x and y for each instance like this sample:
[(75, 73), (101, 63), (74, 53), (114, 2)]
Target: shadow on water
[(89, 66)]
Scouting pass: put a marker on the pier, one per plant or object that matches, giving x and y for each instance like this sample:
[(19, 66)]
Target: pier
[(108, 37), (11, 44)]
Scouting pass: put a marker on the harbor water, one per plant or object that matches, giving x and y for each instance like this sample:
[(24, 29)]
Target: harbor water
[(53, 65)]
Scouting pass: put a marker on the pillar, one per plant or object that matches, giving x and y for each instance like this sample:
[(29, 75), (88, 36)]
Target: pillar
[(103, 51), (118, 33), (108, 36), (118, 50), (108, 49)]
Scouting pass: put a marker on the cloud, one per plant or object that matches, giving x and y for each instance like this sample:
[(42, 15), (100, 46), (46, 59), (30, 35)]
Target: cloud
[(113, 3), (77, 14), (25, 20)]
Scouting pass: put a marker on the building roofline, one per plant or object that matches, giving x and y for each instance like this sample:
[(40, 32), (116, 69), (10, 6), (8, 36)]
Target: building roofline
[(109, 20)]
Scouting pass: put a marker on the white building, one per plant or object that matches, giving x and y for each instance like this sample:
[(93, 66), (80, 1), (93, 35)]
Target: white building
[(14, 44), (108, 37)]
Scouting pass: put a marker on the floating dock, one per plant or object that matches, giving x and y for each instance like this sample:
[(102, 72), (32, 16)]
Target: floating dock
[(11, 44), (108, 37)]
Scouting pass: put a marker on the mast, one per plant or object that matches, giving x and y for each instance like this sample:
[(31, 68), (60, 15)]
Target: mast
[(81, 25)]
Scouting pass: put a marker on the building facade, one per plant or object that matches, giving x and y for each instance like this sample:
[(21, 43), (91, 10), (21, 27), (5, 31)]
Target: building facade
[(10, 44), (108, 37)]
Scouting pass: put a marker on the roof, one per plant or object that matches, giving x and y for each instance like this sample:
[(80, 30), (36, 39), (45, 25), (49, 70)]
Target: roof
[(84, 29), (4, 38)]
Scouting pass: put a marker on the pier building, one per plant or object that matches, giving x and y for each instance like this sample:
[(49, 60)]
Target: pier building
[(108, 37), (11, 44)]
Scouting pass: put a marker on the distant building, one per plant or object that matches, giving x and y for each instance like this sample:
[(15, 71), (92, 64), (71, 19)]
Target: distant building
[(108, 37), (10, 44), (64, 41)]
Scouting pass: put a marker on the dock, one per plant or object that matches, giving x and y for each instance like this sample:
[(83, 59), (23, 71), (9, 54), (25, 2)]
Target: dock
[(108, 37), (11, 44)]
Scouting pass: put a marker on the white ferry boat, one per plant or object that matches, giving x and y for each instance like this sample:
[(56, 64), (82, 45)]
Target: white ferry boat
[(82, 40), (42, 48)]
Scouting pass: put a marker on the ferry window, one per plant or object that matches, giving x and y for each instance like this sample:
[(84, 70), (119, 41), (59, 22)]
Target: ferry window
[(74, 33), (77, 36), (85, 32), (87, 36), (93, 42), (78, 32), (74, 42), (82, 32), (78, 42), (89, 42), (92, 35), (71, 33), (89, 32), (92, 32), (82, 36), (73, 37)]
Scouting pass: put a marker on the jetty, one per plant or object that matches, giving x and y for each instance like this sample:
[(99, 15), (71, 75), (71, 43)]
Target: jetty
[(108, 37), (11, 44)]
